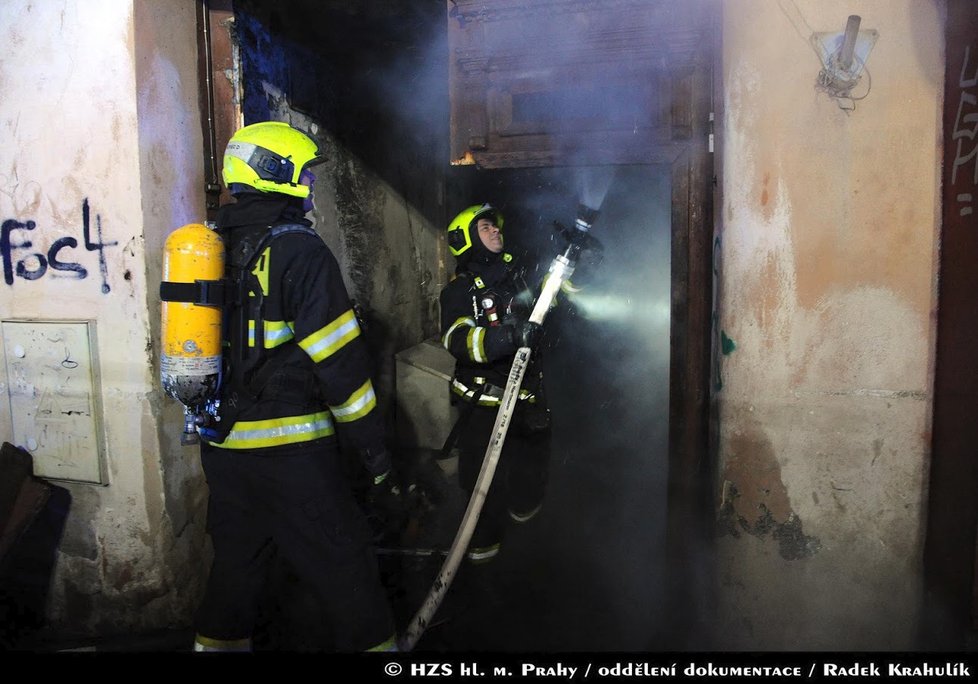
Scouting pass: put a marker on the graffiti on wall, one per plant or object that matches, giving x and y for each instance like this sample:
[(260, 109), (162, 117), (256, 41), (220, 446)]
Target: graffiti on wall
[(966, 130), (22, 259)]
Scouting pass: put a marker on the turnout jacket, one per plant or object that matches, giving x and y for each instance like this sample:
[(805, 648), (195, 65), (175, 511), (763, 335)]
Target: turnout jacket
[(477, 307), (297, 331)]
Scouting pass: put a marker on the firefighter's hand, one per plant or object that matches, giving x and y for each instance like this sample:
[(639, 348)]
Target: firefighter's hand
[(376, 461), (388, 501), (526, 334), (388, 480)]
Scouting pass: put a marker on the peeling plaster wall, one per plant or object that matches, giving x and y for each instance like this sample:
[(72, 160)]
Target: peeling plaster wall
[(100, 109), (828, 239), (172, 183)]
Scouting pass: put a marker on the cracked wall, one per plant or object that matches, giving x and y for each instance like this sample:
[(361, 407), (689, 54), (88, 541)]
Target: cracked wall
[(827, 242)]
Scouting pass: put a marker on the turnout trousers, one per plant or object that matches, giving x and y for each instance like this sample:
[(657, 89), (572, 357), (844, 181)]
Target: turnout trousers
[(518, 486), (301, 505)]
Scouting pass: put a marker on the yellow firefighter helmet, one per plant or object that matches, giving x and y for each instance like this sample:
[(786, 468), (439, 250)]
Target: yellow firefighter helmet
[(269, 157)]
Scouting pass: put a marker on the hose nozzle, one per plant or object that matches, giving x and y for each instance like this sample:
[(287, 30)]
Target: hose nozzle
[(586, 216), (579, 237)]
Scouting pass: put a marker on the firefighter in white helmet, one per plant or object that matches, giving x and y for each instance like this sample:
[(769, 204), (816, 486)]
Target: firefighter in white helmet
[(297, 373)]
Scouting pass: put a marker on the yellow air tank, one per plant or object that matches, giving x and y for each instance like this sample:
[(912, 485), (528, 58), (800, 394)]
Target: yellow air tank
[(190, 364)]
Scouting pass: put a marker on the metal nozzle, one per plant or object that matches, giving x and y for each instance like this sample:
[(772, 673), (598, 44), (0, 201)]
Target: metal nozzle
[(579, 237), (586, 216)]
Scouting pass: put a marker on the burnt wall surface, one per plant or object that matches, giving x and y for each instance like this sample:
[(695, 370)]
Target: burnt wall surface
[(952, 512)]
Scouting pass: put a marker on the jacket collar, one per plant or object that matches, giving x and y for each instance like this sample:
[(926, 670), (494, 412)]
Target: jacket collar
[(261, 209)]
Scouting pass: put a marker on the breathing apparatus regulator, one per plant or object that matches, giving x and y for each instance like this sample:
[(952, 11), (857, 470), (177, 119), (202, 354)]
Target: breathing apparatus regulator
[(268, 157)]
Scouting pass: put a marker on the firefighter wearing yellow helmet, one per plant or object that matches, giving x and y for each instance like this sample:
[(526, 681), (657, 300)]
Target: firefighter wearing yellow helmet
[(484, 312), (297, 372)]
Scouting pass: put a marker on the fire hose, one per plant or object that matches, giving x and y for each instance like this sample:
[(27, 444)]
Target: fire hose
[(561, 269)]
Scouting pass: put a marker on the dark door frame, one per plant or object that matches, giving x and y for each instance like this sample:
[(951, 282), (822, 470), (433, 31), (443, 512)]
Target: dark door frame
[(691, 455), (951, 590)]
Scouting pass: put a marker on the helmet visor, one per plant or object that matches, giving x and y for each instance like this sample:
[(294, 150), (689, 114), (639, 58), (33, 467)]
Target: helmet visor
[(307, 177), (267, 164)]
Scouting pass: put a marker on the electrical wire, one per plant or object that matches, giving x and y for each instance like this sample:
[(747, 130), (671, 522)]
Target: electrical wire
[(826, 82)]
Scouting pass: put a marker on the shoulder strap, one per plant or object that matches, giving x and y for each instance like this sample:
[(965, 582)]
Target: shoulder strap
[(241, 277), (474, 279), (276, 232), (251, 369)]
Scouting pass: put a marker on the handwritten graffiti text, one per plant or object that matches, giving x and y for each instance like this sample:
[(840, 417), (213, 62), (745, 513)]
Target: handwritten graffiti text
[(15, 239), (966, 131)]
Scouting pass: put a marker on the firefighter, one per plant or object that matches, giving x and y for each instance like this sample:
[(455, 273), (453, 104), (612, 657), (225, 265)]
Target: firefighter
[(484, 320), (297, 373)]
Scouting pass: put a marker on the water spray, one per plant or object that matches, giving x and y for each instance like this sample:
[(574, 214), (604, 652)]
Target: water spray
[(593, 183), (561, 268)]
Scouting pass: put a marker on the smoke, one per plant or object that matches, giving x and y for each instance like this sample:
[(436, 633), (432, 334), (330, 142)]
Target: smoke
[(619, 347), (607, 359)]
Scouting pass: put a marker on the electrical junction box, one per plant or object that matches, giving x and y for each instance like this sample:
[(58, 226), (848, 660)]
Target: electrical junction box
[(55, 408)]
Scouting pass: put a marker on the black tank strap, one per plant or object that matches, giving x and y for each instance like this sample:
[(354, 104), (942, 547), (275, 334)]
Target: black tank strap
[(273, 233), (251, 295), (250, 370), (251, 299)]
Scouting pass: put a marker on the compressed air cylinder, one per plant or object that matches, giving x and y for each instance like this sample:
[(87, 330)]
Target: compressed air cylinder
[(190, 364)]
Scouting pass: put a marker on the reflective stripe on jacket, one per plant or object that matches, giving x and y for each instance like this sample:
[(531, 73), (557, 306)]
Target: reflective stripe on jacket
[(481, 343), (259, 434), (489, 395)]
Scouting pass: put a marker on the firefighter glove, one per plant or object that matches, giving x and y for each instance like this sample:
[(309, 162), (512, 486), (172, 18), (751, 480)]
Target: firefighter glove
[(377, 462), (526, 334), (389, 502)]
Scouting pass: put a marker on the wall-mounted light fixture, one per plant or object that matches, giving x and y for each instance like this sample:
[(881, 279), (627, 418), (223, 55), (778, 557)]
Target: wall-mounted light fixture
[(844, 55)]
